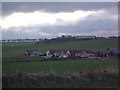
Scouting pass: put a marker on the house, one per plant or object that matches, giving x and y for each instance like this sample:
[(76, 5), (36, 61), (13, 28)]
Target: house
[(74, 53), (101, 53), (109, 52), (56, 53), (80, 53), (89, 53), (33, 53), (69, 53), (53, 53), (115, 52), (59, 53), (63, 54)]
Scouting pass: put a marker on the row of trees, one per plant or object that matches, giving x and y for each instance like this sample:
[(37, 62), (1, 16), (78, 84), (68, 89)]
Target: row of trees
[(21, 40), (62, 38)]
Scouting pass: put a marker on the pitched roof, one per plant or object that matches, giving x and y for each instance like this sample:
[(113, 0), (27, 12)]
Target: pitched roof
[(105, 51), (73, 51), (54, 51), (114, 50), (76, 51), (64, 51), (33, 51), (89, 51)]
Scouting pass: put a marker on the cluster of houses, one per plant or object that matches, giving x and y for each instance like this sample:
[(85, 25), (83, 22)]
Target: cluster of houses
[(109, 52)]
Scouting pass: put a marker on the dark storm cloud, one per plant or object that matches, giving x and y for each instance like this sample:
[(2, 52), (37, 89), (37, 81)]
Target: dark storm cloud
[(12, 7)]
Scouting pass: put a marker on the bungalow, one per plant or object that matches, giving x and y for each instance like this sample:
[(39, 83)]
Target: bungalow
[(74, 53), (33, 53), (53, 53), (57, 53), (69, 53), (89, 53), (63, 53), (109, 52), (102, 53), (80, 53)]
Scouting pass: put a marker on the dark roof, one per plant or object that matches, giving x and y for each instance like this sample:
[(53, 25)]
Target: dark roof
[(108, 50), (73, 51), (89, 51), (33, 51), (54, 51), (81, 51), (115, 50), (64, 51), (76, 51), (103, 51)]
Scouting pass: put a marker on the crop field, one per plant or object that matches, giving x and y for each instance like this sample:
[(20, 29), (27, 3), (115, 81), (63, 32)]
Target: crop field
[(14, 62)]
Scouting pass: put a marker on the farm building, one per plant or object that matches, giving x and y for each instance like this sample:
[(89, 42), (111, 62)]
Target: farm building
[(109, 52), (85, 37), (33, 53)]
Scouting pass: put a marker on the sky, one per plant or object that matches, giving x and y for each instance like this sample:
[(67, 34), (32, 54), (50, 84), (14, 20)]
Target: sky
[(27, 20)]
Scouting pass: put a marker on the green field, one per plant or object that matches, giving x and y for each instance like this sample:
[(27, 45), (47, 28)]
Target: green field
[(13, 62), (59, 67), (19, 48), (11, 54)]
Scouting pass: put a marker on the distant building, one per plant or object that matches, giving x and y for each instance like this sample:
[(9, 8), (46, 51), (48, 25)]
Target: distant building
[(109, 52), (70, 53), (80, 53), (85, 37), (56, 53), (33, 53)]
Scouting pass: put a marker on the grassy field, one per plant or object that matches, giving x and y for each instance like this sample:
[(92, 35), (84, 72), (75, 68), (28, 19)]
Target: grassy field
[(10, 54), (18, 50), (12, 64), (59, 67)]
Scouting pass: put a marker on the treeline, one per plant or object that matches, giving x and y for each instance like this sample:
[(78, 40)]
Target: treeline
[(59, 39)]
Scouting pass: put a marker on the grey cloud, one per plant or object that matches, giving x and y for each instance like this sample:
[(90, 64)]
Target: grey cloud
[(11, 7), (91, 24), (21, 35), (84, 27)]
